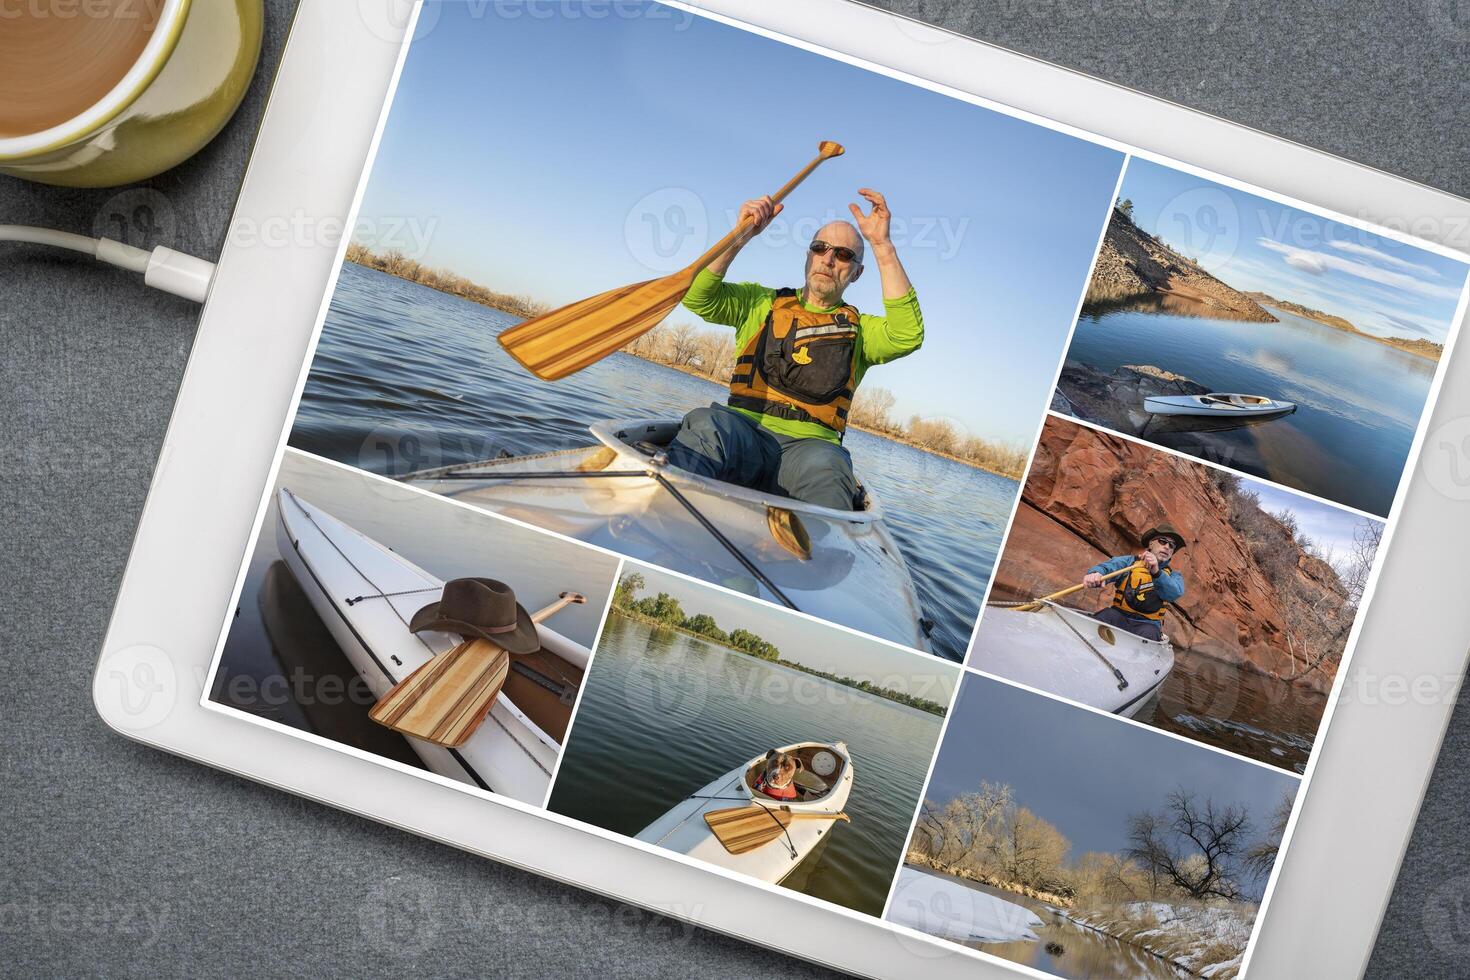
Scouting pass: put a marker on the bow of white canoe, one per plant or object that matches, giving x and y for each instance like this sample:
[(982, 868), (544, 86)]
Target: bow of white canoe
[(683, 829), (1066, 652), (366, 594)]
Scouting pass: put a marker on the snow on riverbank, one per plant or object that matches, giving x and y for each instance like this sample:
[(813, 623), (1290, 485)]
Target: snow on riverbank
[(1209, 940), (951, 910)]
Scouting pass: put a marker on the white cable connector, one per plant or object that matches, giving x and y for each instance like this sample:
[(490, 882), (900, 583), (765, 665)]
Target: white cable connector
[(163, 268)]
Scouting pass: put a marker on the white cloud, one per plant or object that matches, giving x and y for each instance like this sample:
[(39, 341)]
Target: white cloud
[(1381, 256), (1301, 259)]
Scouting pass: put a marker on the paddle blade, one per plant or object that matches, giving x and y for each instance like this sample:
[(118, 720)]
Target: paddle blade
[(565, 341), (744, 828), (446, 699)]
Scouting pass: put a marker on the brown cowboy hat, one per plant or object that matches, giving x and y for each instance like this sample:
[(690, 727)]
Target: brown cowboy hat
[(1164, 530), (480, 607)]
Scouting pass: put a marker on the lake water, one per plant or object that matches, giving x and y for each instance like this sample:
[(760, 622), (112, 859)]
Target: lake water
[(1076, 951), (406, 378), (1237, 710), (1358, 401), (663, 713)]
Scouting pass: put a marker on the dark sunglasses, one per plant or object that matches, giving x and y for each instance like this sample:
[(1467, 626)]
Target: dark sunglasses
[(843, 253)]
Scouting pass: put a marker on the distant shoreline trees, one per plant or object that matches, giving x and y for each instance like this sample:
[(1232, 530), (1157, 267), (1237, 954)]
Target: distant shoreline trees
[(666, 611)]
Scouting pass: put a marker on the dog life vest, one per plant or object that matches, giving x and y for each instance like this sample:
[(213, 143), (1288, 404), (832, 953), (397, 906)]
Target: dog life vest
[(800, 366), (787, 792), (1136, 593)]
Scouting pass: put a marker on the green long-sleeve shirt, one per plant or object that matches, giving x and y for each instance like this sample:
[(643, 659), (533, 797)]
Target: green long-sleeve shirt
[(744, 306)]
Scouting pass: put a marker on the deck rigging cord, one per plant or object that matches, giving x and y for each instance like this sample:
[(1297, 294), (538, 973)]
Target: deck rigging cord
[(653, 474), (432, 653)]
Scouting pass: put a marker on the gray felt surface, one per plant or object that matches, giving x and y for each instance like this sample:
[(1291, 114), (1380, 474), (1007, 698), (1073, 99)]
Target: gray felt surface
[(117, 860)]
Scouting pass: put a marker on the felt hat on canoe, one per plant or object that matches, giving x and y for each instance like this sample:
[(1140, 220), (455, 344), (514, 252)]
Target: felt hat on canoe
[(480, 607), (1164, 530)]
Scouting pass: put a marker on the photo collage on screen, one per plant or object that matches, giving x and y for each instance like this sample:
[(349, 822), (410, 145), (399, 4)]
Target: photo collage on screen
[(974, 543)]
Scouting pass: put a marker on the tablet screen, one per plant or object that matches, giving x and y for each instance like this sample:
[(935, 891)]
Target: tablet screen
[(801, 470)]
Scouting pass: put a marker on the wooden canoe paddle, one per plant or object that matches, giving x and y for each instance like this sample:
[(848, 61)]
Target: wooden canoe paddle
[(446, 699), (744, 828), (564, 341), (1036, 605)]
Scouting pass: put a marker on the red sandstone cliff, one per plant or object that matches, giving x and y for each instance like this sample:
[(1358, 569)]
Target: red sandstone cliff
[(1253, 597)]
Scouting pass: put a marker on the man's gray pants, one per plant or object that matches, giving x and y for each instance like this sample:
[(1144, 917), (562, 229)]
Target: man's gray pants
[(725, 445)]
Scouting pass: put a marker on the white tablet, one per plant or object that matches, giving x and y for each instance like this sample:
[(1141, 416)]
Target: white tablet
[(824, 479)]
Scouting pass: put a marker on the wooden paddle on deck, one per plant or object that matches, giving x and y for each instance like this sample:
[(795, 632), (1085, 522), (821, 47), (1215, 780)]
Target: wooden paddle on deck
[(446, 699), (744, 828), (564, 341), (1036, 605)]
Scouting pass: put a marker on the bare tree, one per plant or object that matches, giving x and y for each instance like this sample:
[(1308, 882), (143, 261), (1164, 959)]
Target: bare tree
[(1191, 845), (684, 341), (1260, 857), (1367, 536), (872, 408)]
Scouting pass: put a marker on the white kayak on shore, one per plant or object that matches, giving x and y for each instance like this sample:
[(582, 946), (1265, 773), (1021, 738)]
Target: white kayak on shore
[(1216, 404), (1066, 652), (953, 909), (824, 782), (366, 595), (842, 566)]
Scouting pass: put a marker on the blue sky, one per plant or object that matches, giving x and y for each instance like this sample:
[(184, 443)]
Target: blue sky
[(547, 152), (1332, 529), (1083, 772), (811, 644), (1257, 245)]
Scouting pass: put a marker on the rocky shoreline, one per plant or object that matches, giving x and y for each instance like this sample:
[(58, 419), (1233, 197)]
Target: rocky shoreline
[(1114, 399), (1132, 263)]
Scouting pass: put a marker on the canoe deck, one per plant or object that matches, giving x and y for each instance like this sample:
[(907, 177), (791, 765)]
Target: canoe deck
[(683, 829), (1216, 405), (1066, 652), (365, 594), (841, 566)]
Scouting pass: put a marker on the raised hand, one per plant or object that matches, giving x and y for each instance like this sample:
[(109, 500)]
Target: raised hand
[(874, 224)]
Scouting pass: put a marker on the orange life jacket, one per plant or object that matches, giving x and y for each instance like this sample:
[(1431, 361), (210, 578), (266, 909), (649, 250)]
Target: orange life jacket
[(800, 366), (1135, 593), (787, 792)]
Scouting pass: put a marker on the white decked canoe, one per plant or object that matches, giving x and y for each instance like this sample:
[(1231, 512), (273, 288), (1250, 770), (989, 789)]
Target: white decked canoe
[(825, 782), (1066, 652), (842, 566), (366, 594), (1216, 405)]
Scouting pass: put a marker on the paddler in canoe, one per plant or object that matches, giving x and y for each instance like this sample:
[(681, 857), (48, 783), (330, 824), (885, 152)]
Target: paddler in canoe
[(800, 355), (1139, 596)]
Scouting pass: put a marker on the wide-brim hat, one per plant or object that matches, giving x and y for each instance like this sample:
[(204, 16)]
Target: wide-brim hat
[(481, 607), (1165, 530)]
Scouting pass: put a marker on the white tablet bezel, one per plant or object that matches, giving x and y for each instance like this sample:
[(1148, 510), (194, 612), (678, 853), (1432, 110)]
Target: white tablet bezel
[(249, 359)]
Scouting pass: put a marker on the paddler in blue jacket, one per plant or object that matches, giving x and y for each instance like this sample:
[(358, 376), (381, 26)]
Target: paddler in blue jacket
[(1139, 595)]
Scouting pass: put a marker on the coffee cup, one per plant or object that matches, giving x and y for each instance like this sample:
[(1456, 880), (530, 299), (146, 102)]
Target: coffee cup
[(97, 93)]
